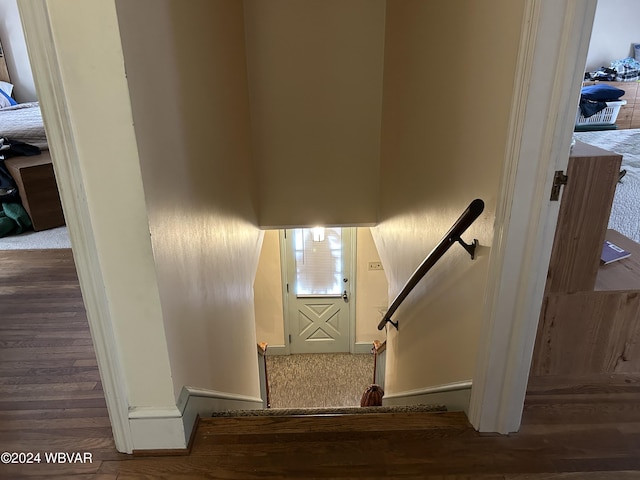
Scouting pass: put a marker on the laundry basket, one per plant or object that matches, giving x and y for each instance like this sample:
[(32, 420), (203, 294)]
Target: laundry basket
[(607, 116)]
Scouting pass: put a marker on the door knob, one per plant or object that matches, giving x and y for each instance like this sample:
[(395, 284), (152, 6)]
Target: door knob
[(345, 296)]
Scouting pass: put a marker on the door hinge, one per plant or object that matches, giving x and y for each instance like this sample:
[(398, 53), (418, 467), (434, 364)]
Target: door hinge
[(287, 288), (559, 179), (289, 338)]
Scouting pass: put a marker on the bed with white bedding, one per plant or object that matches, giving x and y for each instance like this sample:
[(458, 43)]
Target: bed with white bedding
[(23, 122), (28, 190)]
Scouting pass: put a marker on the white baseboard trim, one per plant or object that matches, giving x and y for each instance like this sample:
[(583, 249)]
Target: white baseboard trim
[(194, 402), (455, 396), (170, 428), (362, 347), (277, 350), (157, 428)]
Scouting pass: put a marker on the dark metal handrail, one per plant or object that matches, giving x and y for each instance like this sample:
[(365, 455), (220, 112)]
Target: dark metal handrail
[(469, 216)]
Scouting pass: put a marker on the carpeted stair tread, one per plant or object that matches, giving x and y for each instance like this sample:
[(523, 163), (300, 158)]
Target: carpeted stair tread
[(282, 412), (318, 379)]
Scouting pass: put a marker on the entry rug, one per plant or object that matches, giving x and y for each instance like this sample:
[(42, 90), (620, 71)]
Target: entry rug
[(318, 380)]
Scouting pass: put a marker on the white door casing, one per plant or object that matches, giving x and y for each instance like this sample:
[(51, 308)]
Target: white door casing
[(552, 56)]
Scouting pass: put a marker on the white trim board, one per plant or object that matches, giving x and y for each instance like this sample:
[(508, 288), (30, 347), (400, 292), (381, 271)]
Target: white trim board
[(171, 428), (285, 298), (455, 396), (277, 350), (353, 286), (194, 402), (362, 347), (554, 44), (50, 86)]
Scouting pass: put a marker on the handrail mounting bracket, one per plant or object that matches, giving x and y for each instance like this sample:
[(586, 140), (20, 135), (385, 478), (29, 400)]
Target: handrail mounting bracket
[(470, 248), (461, 225), (395, 324)]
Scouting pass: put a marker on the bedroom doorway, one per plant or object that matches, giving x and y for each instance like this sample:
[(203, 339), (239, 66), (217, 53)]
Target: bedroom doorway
[(318, 288), (119, 414)]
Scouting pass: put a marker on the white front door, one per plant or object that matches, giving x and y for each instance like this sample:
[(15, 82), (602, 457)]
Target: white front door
[(318, 289)]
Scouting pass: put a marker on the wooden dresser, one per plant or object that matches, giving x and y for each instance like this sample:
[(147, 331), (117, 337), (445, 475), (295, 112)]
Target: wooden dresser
[(38, 189), (589, 328)]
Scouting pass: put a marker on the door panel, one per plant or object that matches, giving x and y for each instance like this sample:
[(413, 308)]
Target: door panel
[(318, 289)]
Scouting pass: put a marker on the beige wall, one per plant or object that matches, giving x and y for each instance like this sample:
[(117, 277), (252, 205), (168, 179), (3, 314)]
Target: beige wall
[(371, 289), (448, 82), (268, 292), (615, 29), (315, 83), (186, 72)]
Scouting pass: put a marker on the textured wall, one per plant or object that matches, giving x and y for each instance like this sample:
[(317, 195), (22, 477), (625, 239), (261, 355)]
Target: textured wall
[(447, 102), (187, 77), (315, 84), (268, 292), (371, 289)]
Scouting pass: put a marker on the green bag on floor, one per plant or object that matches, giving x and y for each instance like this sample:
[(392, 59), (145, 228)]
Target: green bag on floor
[(14, 219)]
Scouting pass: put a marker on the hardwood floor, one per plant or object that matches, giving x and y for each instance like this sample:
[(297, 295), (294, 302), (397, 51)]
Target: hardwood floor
[(51, 400)]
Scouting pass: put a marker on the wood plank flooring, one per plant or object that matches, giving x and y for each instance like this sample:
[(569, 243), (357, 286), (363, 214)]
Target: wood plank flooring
[(51, 400), (51, 397)]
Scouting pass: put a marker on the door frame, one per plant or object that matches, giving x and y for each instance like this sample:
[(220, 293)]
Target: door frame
[(352, 286), (50, 85), (514, 278), (551, 61)]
